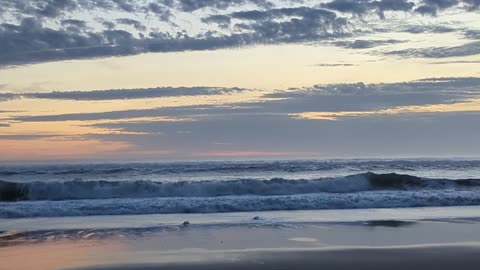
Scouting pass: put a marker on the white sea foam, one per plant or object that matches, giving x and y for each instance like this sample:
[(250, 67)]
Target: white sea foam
[(128, 206), (78, 190)]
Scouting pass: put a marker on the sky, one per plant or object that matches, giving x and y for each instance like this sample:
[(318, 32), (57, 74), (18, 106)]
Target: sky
[(238, 79)]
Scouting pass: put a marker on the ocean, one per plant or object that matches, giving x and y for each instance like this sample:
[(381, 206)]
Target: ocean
[(301, 214), (75, 190)]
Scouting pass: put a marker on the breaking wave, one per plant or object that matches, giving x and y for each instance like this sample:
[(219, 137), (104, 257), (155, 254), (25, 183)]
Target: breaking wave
[(247, 203), (81, 190)]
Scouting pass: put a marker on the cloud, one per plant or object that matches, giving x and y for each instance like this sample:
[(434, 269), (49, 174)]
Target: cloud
[(366, 121), (7, 96), (397, 135), (326, 98), (193, 5), (420, 29), (365, 44), (76, 23), (31, 41), (49, 30), (164, 13), (51, 9), (367, 97), (431, 7), (28, 137), (356, 7), (134, 23), (222, 20), (176, 113), (298, 24), (472, 34), (336, 65), (455, 62), (114, 94), (126, 5), (467, 49), (40, 8), (472, 4), (362, 7)]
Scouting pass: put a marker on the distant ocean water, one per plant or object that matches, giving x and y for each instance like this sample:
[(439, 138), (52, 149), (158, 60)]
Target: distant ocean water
[(211, 187)]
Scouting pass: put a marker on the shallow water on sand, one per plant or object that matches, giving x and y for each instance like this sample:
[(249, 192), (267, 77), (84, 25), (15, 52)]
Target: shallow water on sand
[(152, 242)]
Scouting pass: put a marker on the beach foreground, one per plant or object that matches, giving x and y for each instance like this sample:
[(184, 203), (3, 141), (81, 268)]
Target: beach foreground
[(444, 257), (409, 238)]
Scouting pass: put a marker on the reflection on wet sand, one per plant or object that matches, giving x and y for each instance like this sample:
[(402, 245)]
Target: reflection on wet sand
[(377, 244), (52, 255)]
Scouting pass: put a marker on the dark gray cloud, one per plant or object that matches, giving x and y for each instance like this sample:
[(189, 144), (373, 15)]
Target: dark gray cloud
[(126, 5), (280, 13), (108, 25), (455, 62), (472, 4), (472, 34), (114, 94), (338, 97), (427, 10), (40, 8), (6, 96), (285, 24), (32, 42), (45, 9), (420, 29), (356, 7), (33, 38), (54, 8), (361, 97), (431, 7), (162, 8), (361, 7), (134, 23), (162, 12), (365, 44), (467, 49), (179, 113), (193, 5), (425, 7), (271, 128), (309, 24), (222, 20)]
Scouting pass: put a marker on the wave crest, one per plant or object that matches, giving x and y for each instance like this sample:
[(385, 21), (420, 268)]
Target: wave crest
[(78, 190)]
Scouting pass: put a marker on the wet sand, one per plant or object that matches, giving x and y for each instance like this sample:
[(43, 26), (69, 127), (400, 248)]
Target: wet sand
[(452, 243), (439, 258)]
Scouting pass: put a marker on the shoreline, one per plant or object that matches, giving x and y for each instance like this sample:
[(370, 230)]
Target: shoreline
[(327, 216), (279, 240)]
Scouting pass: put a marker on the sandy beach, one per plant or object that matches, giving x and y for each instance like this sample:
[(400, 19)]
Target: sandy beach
[(290, 243), (448, 257)]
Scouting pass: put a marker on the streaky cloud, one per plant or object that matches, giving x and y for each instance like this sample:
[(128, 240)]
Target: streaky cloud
[(115, 94), (467, 49), (365, 44), (455, 62), (50, 30), (328, 98)]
